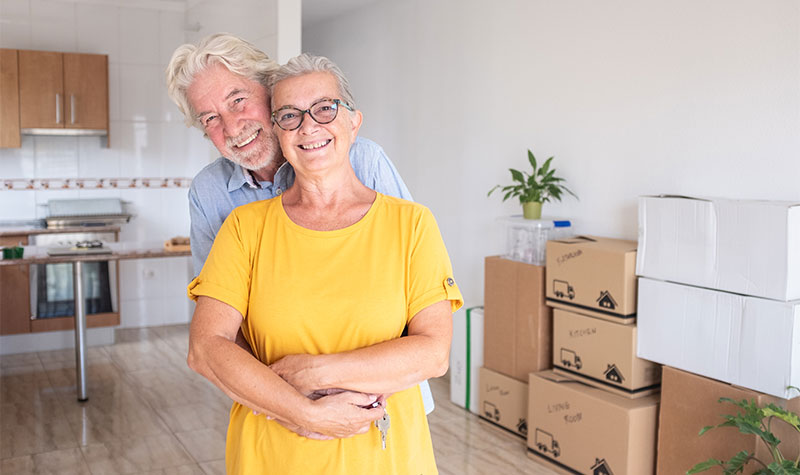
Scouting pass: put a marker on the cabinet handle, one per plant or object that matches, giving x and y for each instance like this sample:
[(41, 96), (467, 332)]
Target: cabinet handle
[(58, 108), (72, 108)]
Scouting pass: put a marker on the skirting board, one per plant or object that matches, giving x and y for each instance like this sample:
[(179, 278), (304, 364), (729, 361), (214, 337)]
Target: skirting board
[(48, 341)]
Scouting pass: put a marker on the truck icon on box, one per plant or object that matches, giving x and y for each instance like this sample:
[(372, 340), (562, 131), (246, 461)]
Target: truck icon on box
[(546, 443), (561, 289), (570, 359), (491, 411)]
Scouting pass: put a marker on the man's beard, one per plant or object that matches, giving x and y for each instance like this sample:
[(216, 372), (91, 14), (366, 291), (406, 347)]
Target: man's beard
[(264, 152)]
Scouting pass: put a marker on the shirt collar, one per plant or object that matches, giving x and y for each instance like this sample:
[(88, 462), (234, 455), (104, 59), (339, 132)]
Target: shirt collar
[(239, 178), (284, 178)]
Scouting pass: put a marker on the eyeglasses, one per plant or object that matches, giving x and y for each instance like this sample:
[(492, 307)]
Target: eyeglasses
[(323, 112)]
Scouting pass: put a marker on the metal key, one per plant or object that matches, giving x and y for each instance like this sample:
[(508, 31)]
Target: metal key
[(383, 425)]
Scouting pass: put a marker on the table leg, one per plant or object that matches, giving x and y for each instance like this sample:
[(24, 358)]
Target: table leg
[(80, 330)]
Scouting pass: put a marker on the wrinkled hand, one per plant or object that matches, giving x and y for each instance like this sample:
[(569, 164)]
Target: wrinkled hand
[(294, 370), (345, 414)]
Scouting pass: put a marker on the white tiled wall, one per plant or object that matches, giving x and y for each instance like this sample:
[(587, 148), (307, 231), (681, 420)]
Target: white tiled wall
[(148, 137)]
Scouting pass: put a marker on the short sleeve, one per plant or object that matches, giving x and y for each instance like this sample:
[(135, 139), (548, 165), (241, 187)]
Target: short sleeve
[(431, 274), (226, 273)]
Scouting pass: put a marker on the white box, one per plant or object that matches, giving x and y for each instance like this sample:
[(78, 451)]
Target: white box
[(746, 247), (746, 341), (526, 239), (466, 358)]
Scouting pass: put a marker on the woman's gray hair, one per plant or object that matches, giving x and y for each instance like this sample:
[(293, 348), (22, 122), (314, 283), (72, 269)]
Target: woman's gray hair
[(236, 54), (306, 64)]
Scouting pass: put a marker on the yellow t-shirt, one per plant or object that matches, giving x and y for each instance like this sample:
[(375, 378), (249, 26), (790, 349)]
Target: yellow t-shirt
[(320, 292)]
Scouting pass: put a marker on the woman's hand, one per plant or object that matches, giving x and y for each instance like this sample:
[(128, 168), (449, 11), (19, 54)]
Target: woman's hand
[(345, 414)]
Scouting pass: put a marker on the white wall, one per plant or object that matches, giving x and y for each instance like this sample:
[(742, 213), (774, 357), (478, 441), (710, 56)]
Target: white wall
[(631, 97), (148, 136)]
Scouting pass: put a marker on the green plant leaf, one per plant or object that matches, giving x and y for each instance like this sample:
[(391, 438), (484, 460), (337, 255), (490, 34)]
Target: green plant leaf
[(771, 410), (546, 167), (787, 467), (737, 462), (532, 160), (703, 466), (706, 429), (517, 175)]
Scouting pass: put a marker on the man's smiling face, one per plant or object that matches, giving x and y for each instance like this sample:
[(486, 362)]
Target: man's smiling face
[(234, 113)]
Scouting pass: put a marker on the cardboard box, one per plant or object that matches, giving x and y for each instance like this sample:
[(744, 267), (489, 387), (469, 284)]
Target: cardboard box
[(745, 247), (588, 430), (690, 402), (466, 358), (594, 276), (602, 354), (504, 401), (518, 325), (746, 341)]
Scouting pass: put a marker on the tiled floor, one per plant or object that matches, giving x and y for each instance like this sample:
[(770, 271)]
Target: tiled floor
[(148, 413)]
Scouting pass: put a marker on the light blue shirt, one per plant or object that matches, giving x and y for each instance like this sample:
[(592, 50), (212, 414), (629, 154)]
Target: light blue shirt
[(223, 185)]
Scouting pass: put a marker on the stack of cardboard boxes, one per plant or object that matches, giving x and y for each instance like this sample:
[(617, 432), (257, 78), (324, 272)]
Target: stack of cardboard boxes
[(719, 302), (596, 411), (517, 340)]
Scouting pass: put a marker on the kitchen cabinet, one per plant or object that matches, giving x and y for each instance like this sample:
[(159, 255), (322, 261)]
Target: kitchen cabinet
[(86, 91), (15, 299), (41, 90), (15, 305), (58, 94), (9, 98)]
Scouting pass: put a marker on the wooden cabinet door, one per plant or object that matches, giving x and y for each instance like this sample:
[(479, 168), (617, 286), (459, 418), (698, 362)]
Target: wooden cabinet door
[(41, 89), (86, 91), (15, 301), (9, 99)]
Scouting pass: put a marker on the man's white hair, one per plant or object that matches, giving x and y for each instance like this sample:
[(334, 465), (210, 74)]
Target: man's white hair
[(236, 54), (306, 64)]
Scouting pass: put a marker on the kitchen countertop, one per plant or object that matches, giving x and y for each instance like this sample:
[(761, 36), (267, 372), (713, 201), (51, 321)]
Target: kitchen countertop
[(6, 231), (119, 251)]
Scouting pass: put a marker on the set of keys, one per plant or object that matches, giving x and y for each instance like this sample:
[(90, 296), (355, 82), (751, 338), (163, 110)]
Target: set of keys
[(382, 424)]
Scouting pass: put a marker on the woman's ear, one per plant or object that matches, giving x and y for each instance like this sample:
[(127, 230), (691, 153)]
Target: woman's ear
[(356, 118)]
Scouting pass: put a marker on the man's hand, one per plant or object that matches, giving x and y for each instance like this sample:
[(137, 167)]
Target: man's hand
[(294, 370)]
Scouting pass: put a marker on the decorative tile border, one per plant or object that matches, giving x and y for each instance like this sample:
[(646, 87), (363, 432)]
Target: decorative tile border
[(92, 183)]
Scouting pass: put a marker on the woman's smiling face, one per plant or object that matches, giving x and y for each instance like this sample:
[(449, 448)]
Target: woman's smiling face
[(313, 146)]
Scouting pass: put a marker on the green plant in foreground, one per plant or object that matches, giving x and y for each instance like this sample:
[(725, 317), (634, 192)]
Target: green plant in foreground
[(752, 419), (536, 187)]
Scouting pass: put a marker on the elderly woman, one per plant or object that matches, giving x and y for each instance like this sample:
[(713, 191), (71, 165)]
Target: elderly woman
[(322, 280)]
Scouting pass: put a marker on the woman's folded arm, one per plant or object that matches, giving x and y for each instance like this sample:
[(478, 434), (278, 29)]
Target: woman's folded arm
[(384, 368)]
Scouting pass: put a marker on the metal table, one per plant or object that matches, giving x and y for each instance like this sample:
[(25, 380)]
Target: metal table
[(119, 251)]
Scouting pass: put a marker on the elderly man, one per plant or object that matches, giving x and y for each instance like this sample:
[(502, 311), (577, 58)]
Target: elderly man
[(220, 87)]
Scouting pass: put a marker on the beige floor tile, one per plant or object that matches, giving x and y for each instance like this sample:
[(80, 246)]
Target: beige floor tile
[(193, 469), (134, 455), (61, 462), (217, 467), (21, 359), (66, 358), (167, 387), (33, 425), (184, 418), (204, 445)]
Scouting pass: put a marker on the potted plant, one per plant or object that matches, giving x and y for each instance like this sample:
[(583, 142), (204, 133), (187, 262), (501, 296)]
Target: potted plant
[(534, 189), (752, 419)]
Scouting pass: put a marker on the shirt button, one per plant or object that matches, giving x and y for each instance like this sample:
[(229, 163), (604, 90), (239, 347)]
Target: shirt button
[(278, 191), (450, 281)]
